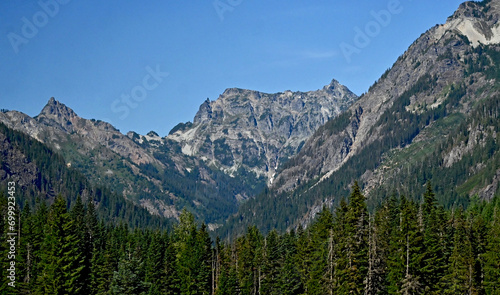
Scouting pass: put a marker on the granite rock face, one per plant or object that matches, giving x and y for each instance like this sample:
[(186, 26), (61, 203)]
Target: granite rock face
[(442, 56), (259, 131)]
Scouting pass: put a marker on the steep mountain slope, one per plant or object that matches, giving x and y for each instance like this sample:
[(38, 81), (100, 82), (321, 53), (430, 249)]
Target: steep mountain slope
[(153, 174), (259, 131), (40, 174), (422, 120), (203, 166)]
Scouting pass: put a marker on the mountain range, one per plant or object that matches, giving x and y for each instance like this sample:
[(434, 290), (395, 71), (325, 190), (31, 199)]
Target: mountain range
[(274, 160), (227, 155)]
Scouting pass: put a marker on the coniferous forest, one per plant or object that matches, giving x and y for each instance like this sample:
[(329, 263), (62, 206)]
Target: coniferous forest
[(403, 247)]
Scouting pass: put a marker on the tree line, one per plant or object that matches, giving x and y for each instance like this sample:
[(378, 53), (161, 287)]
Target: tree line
[(403, 247)]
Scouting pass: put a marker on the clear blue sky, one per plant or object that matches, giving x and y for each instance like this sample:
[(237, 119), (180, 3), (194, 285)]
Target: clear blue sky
[(88, 54)]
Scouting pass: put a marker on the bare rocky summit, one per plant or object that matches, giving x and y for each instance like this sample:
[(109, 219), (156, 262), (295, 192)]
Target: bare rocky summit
[(259, 131)]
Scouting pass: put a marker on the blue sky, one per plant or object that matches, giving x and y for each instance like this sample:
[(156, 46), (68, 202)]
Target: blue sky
[(148, 65)]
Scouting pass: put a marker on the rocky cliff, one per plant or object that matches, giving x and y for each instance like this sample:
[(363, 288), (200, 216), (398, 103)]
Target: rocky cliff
[(259, 131), (227, 155), (433, 116), (443, 58)]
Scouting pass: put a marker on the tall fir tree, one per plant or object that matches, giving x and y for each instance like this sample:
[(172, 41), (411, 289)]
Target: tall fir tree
[(193, 256), (203, 250), (460, 274), (172, 280), (271, 264), (84, 247), (356, 231), (405, 254), (62, 263), (226, 280), (491, 258), (433, 259), (249, 261), (338, 260), (288, 275), (155, 273)]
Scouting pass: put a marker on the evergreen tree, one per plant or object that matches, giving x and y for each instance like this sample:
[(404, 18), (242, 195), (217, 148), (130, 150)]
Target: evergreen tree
[(338, 260), (288, 274), (375, 282), (405, 254), (129, 279), (203, 252), (25, 250), (193, 256), (39, 222), (433, 260), (383, 242), (356, 255), (461, 266), (102, 262), (155, 274), (303, 258), (492, 256), (84, 247), (172, 280), (249, 261), (226, 281), (321, 274), (61, 262), (478, 237)]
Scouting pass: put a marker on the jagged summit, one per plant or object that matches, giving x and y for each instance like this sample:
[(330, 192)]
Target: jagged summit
[(257, 130), (55, 108)]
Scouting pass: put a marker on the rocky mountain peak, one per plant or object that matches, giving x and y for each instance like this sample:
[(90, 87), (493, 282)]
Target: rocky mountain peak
[(257, 130), (204, 112), (58, 115), (334, 84), (478, 21), (55, 109)]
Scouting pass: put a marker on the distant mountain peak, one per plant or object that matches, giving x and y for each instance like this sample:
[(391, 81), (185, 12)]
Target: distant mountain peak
[(57, 110), (334, 84)]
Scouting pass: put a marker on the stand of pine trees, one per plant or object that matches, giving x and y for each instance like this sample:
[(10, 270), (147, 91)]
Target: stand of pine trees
[(404, 247)]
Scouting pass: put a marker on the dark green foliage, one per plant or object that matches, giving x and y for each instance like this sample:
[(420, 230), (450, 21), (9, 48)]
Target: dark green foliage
[(225, 282), (60, 256), (194, 256), (54, 177), (355, 254), (222, 152), (404, 248), (129, 278), (433, 259), (491, 258), (249, 261), (217, 200)]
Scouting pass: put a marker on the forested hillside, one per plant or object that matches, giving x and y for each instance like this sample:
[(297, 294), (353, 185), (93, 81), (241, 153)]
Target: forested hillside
[(404, 247), (40, 174), (433, 116), (398, 193)]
